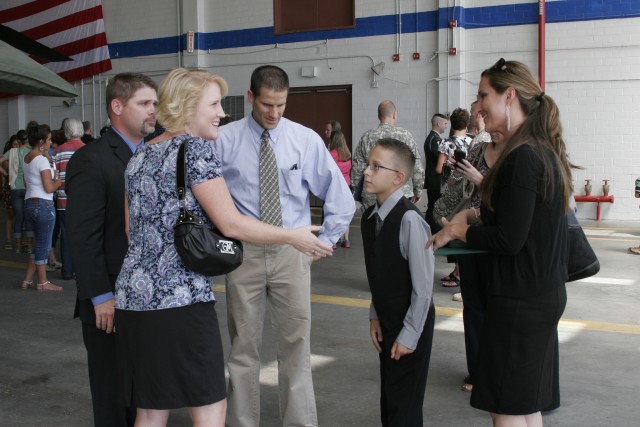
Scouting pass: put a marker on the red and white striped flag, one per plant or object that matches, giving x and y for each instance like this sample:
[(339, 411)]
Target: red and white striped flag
[(74, 28)]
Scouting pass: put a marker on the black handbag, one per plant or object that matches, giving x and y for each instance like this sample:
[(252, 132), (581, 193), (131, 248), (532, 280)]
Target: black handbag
[(202, 250), (583, 261)]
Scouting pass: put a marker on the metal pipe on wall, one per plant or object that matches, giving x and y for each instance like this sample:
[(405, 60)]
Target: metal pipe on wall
[(542, 18), (417, 30), (93, 99), (82, 97), (179, 19), (398, 27)]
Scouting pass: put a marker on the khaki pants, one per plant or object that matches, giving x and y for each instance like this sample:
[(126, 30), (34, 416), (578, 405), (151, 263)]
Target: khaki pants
[(281, 275)]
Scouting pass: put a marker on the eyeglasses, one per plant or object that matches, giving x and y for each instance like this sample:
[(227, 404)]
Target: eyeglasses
[(375, 167)]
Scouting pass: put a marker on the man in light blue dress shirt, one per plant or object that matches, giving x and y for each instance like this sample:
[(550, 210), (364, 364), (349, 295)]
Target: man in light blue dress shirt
[(277, 273)]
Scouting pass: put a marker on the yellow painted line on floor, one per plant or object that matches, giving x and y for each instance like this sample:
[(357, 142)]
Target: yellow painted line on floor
[(440, 311), (347, 302), (457, 312)]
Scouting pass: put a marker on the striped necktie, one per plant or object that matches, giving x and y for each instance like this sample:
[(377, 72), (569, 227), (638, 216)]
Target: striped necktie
[(378, 224), (270, 209)]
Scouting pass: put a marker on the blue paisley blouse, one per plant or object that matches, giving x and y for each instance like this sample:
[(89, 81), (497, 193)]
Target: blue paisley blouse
[(153, 276)]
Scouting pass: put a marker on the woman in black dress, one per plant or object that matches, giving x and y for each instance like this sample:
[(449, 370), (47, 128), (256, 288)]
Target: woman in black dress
[(522, 224)]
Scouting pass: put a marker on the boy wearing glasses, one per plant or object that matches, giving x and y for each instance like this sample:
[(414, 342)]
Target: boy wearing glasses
[(400, 274)]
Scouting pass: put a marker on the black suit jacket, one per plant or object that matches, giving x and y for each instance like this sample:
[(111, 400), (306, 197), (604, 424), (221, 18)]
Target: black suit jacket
[(432, 178), (95, 217)]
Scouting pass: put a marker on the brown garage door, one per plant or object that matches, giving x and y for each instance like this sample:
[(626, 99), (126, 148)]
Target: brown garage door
[(315, 106)]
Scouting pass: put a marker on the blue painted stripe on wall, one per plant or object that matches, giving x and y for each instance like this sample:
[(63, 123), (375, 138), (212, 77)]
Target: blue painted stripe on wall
[(159, 46), (365, 27), (557, 11), (469, 18)]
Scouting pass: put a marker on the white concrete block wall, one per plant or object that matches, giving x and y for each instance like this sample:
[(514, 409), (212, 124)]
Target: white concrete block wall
[(591, 71), (140, 19)]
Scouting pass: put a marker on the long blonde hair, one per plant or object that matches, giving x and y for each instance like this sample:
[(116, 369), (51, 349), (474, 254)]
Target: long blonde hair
[(179, 94), (541, 130), (338, 142)]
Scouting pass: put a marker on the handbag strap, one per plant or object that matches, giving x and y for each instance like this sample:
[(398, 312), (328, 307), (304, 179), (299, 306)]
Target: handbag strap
[(180, 168)]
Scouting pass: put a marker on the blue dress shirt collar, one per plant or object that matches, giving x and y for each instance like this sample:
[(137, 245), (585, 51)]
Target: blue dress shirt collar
[(132, 145)]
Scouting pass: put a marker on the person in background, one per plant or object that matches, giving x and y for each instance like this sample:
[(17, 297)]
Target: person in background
[(294, 163), (401, 316), (330, 128), (6, 196), (168, 331), (458, 140), (61, 156), (342, 156), (525, 199), (439, 123), (475, 268), (104, 130), (57, 138), (41, 181), (11, 161), (388, 116), (87, 132), (95, 217)]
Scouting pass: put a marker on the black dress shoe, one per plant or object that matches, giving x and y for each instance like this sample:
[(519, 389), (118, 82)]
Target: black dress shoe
[(72, 277)]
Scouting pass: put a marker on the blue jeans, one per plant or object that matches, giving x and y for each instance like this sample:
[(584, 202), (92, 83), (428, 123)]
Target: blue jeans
[(67, 266), (41, 215), (17, 201)]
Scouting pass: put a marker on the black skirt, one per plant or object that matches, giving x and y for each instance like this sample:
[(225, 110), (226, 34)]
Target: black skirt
[(170, 358), (514, 373)]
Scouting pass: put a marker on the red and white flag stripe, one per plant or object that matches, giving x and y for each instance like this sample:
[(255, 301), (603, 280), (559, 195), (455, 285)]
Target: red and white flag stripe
[(72, 27)]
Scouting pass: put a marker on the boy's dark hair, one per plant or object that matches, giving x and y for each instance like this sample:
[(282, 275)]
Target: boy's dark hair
[(124, 85), (269, 76), (459, 119), (38, 133), (404, 156)]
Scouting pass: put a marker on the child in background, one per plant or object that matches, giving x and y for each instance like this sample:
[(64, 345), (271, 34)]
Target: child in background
[(400, 274), (342, 156)]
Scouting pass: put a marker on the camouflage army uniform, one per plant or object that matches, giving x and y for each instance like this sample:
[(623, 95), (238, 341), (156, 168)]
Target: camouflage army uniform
[(414, 185)]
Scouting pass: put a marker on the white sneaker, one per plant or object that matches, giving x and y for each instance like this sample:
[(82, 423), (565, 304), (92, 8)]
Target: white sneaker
[(457, 297)]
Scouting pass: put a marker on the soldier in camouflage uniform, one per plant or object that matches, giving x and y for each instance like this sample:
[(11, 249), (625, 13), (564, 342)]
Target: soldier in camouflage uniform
[(387, 129)]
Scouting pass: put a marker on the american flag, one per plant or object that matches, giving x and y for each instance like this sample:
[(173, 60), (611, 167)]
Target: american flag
[(72, 27)]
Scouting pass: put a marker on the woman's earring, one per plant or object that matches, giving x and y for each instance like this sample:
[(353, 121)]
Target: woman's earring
[(508, 118), (42, 148)]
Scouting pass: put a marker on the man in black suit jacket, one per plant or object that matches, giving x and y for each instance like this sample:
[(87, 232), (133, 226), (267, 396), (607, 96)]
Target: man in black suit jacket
[(432, 178), (97, 238)]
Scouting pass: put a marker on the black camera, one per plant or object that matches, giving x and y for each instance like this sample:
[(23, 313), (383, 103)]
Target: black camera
[(459, 155)]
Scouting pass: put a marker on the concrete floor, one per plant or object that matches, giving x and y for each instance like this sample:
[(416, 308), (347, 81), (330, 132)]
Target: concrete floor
[(44, 382)]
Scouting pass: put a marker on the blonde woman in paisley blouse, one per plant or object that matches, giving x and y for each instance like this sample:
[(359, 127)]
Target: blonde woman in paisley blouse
[(167, 329)]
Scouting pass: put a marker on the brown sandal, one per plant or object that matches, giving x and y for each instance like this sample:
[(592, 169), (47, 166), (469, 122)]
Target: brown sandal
[(635, 251), (48, 286), (26, 285)]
